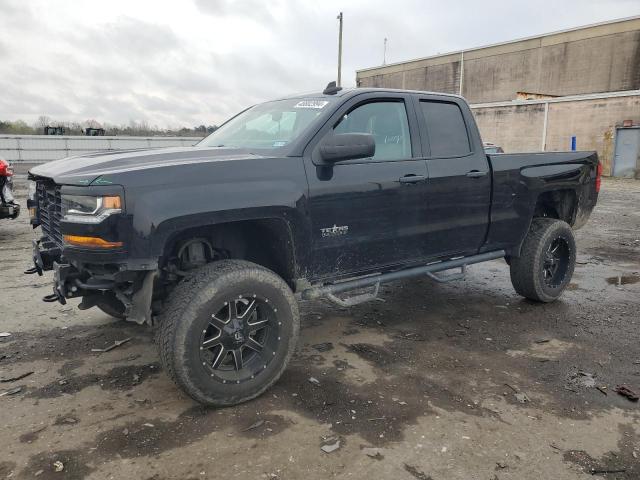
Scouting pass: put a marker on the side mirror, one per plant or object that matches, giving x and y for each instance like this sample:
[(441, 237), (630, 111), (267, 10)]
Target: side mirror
[(347, 146)]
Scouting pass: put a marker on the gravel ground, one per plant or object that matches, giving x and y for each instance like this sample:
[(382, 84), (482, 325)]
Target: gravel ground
[(437, 381)]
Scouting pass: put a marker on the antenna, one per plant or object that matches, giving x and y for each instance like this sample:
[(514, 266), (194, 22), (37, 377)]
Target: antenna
[(331, 89)]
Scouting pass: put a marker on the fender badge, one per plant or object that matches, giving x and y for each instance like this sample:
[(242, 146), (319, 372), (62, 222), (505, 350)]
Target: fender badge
[(334, 231)]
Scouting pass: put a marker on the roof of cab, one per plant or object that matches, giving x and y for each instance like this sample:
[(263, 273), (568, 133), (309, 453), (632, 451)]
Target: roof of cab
[(352, 91)]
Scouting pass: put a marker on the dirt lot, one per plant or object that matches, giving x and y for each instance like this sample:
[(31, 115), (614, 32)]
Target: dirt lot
[(457, 381)]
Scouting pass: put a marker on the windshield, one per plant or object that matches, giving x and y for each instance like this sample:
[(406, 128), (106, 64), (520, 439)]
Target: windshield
[(268, 125)]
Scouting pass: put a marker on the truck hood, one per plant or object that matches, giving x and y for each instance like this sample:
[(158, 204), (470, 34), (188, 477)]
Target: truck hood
[(87, 169)]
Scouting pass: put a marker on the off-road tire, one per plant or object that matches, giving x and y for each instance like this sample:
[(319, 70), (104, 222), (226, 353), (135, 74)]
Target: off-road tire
[(528, 275), (186, 315)]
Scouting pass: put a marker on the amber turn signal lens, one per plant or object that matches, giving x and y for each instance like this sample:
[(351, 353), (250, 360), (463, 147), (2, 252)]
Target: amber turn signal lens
[(32, 212), (91, 242), (112, 202)]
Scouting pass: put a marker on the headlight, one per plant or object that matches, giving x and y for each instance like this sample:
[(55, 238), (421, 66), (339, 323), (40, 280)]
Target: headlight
[(86, 209), (31, 194)]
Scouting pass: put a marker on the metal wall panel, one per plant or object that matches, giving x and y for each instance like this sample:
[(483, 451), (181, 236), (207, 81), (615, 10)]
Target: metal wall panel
[(43, 148)]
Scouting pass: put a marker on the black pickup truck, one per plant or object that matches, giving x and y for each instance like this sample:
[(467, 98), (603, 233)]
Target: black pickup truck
[(309, 196)]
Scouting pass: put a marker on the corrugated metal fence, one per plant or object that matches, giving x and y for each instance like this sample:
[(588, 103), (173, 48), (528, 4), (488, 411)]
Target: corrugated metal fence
[(34, 149)]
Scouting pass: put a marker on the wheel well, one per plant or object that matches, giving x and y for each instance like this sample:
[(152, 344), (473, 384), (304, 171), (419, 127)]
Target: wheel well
[(267, 242), (560, 204)]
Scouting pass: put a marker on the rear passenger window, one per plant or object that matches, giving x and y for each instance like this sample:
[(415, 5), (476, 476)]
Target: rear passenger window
[(446, 129), (387, 122)]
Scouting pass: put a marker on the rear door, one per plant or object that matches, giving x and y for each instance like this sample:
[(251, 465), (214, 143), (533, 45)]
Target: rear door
[(368, 213), (459, 194)]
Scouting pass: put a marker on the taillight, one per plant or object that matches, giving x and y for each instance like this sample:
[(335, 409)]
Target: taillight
[(5, 169), (598, 177)]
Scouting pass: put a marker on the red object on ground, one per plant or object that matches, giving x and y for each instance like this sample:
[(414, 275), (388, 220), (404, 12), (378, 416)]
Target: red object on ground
[(5, 168)]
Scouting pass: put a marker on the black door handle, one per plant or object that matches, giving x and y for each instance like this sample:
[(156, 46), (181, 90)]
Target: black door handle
[(476, 174), (412, 179)]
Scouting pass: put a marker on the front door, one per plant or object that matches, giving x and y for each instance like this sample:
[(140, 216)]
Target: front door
[(370, 213)]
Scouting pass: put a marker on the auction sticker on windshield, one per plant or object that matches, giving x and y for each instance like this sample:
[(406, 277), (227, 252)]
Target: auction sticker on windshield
[(311, 104)]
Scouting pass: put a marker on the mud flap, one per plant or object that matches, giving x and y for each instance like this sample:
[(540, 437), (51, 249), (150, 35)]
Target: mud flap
[(138, 308)]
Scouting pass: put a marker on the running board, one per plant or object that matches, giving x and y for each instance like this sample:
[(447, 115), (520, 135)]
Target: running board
[(356, 299), (429, 270)]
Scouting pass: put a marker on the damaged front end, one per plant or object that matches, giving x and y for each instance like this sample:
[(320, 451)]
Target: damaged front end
[(129, 293), (85, 238)]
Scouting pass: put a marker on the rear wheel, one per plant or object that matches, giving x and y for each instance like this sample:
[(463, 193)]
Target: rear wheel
[(546, 262), (228, 332)]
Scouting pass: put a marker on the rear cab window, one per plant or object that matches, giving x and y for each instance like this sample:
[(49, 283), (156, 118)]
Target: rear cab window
[(446, 129)]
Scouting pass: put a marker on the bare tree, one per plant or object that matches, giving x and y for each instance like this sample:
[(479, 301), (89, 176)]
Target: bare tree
[(91, 123), (43, 121)]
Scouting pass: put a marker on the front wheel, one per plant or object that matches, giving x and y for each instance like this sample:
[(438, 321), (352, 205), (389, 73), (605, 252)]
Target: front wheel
[(546, 262), (228, 332)]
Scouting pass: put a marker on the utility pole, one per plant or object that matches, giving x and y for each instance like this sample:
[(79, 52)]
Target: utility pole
[(384, 54), (461, 71), (339, 17)]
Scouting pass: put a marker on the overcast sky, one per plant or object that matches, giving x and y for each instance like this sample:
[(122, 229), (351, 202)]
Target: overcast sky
[(189, 62)]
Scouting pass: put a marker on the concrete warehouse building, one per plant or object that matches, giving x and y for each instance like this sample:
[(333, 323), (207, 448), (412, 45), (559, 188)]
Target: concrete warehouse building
[(537, 93)]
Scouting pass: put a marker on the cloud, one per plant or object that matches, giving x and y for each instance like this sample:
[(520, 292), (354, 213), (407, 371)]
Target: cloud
[(128, 38), (253, 9), (199, 62)]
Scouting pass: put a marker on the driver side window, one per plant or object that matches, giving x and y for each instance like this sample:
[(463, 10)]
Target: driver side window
[(387, 122)]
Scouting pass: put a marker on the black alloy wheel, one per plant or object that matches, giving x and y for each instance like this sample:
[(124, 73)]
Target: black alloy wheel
[(556, 262), (241, 339)]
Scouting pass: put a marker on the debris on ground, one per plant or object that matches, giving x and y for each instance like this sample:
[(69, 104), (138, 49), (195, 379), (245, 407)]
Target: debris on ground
[(58, 466), (542, 340), (414, 472), (15, 379), (116, 344), (13, 391), (323, 347), (520, 396), (583, 379), (627, 392), (602, 390), (413, 336), (314, 380), (5, 334), (372, 452), (253, 426), (597, 471), (330, 445)]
